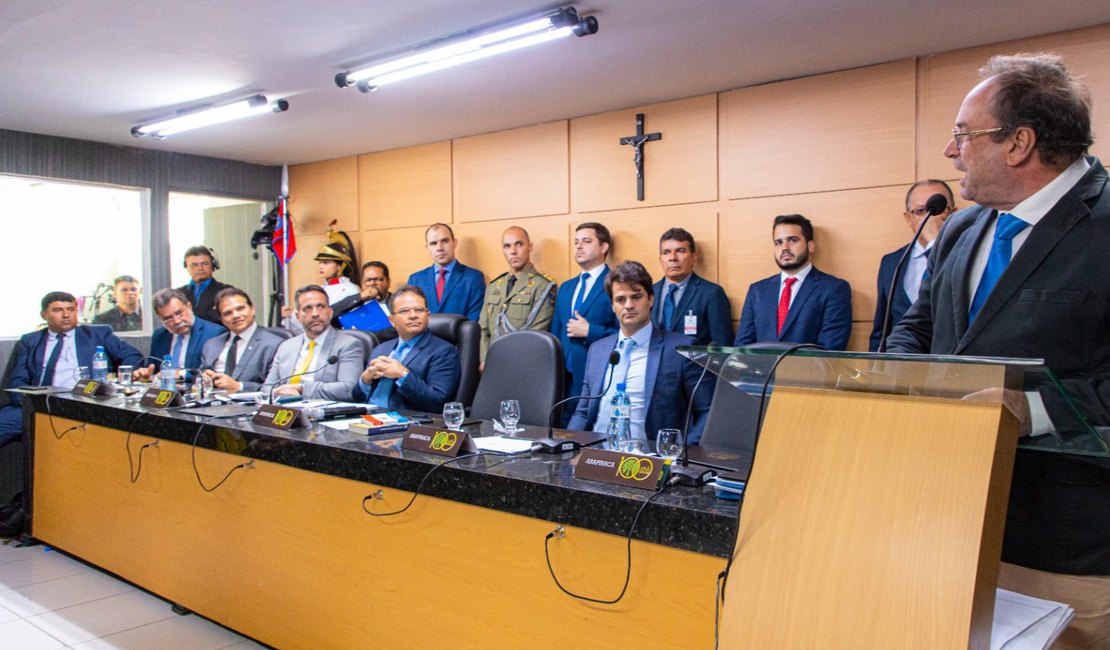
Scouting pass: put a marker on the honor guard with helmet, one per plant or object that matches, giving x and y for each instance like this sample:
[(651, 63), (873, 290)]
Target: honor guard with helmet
[(521, 298)]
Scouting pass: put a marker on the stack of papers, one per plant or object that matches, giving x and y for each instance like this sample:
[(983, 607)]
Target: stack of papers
[(502, 445), (1023, 622)]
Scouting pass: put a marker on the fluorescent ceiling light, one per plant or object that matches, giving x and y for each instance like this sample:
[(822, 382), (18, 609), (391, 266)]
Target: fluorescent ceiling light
[(208, 115)]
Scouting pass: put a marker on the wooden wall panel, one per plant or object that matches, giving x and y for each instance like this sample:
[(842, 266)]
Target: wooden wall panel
[(829, 132), (517, 173), (322, 191), (405, 187), (303, 269), (945, 79), (680, 168), (402, 249), (480, 246)]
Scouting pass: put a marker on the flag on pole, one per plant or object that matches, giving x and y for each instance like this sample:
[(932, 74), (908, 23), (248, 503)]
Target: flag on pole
[(284, 244)]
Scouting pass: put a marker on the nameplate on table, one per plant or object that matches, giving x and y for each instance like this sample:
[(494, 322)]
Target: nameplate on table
[(437, 440), (619, 468), (159, 398), (279, 416), (92, 388)]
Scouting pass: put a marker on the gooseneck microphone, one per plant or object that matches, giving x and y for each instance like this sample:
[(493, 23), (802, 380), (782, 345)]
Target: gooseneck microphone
[(550, 445), (936, 204), (681, 472), (331, 360)]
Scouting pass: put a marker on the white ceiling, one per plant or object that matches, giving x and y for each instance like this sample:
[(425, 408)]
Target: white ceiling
[(92, 70)]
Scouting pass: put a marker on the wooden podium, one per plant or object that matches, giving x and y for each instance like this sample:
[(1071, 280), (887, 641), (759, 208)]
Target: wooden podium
[(874, 512)]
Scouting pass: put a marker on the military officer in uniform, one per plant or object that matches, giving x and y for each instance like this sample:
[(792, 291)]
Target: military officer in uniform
[(522, 298)]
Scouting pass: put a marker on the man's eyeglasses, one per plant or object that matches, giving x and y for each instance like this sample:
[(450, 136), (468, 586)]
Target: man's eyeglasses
[(957, 134), (412, 310)]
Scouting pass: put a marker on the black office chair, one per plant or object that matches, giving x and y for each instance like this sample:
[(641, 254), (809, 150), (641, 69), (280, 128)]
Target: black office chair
[(733, 418), (466, 336), (526, 366), (368, 340), (280, 331)]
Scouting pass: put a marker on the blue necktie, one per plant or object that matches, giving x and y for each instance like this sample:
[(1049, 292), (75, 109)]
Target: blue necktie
[(997, 260), (177, 360), (384, 390), (668, 307), (52, 362), (581, 292)]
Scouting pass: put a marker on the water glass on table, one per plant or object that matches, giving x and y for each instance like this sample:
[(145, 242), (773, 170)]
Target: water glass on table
[(453, 415), (510, 414), (668, 443)]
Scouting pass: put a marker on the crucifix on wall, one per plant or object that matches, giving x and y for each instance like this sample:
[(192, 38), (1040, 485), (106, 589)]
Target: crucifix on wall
[(638, 141)]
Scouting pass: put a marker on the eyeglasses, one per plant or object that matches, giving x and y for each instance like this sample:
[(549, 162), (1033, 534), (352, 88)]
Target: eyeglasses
[(957, 134), (412, 310), (921, 212)]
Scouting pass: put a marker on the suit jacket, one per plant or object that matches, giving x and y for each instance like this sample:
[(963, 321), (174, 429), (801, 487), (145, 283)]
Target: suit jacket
[(597, 310), (334, 382), (254, 365), (30, 354), (902, 301), (1052, 302), (670, 379), (162, 340), (821, 313), (206, 307), (707, 300), (434, 372), (463, 294)]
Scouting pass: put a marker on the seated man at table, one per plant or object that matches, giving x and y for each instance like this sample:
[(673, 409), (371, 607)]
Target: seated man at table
[(659, 382), (51, 356), (239, 359), (417, 370), (182, 335)]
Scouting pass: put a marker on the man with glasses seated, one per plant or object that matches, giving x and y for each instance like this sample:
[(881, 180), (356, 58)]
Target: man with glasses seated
[(182, 335), (374, 288), (418, 370)]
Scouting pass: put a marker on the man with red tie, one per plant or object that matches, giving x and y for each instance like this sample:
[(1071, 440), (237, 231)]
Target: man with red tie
[(450, 286)]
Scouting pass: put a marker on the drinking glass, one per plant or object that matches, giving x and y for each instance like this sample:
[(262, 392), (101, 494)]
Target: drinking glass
[(453, 415), (668, 443), (124, 375), (510, 414), (632, 446), (83, 373)]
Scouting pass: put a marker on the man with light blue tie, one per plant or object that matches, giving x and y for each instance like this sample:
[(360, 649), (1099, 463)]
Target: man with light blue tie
[(450, 286), (182, 335), (417, 370), (689, 304), (660, 382)]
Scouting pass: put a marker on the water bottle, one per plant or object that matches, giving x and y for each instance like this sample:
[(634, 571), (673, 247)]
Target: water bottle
[(169, 374), (619, 431), (100, 364)]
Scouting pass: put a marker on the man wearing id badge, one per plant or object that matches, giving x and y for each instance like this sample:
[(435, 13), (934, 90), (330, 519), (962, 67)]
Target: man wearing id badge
[(688, 303)]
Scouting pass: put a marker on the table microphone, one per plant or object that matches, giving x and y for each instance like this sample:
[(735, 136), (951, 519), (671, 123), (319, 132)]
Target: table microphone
[(331, 360), (550, 445), (681, 472), (936, 204)]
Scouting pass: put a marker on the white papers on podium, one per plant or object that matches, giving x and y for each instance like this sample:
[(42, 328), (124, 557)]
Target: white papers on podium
[(1025, 623), (502, 445)]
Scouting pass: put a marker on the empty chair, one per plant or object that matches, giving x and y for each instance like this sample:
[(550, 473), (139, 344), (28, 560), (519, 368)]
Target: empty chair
[(368, 340), (732, 420), (466, 336), (526, 366)]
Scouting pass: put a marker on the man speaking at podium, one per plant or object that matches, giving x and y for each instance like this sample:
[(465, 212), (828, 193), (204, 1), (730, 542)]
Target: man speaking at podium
[(1024, 274)]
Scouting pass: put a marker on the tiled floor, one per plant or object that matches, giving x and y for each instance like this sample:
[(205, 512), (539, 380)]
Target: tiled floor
[(49, 601)]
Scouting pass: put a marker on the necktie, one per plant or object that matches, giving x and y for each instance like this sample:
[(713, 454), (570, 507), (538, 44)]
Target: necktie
[(176, 353), (925, 274), (384, 390), (441, 282), (509, 285), (305, 365), (626, 358), (997, 260), (232, 352), (52, 362), (668, 307), (581, 292), (784, 301)]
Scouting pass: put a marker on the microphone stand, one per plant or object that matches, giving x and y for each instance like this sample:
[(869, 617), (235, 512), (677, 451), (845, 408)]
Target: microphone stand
[(552, 445)]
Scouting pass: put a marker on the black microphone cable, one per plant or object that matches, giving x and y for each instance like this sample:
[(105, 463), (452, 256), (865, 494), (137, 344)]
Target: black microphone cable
[(196, 438), (131, 472), (420, 486), (332, 360), (50, 418)]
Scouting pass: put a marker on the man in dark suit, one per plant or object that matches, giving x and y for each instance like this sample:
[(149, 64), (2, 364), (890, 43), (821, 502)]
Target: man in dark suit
[(909, 280), (417, 370), (51, 356), (800, 304), (583, 315), (239, 359), (127, 315), (659, 381), (689, 304), (203, 288), (182, 335), (451, 287), (1023, 274)]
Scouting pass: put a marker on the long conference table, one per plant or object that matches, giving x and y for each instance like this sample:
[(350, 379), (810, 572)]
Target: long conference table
[(284, 551)]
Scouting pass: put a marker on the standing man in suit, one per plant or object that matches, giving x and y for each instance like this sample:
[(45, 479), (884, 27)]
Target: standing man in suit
[(659, 381), (239, 359), (182, 335), (800, 304), (522, 298), (302, 361), (127, 315), (1023, 274), (417, 370), (689, 304), (51, 356), (582, 313), (202, 289), (909, 281), (451, 286)]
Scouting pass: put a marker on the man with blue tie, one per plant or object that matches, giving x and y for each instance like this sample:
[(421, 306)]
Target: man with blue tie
[(417, 370), (800, 304), (451, 287), (582, 313), (689, 304), (182, 335), (909, 280), (202, 289), (660, 382)]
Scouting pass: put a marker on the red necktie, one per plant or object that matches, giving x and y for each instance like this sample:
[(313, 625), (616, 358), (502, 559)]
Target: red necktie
[(784, 301), (440, 281)]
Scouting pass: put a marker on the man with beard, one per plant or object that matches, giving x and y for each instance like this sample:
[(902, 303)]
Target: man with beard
[(800, 304)]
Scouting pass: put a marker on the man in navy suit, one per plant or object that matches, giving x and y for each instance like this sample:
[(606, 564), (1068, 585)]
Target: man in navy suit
[(583, 315), (182, 335), (800, 304), (202, 289), (1023, 274), (417, 370), (239, 359), (689, 304), (660, 382), (451, 287), (40, 360), (909, 281)]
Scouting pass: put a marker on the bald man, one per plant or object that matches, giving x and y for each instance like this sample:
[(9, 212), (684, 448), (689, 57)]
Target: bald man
[(522, 298)]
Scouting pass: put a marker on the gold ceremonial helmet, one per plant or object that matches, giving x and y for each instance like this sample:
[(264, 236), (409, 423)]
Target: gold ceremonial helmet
[(335, 250)]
